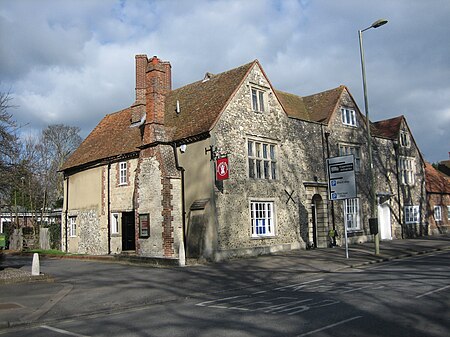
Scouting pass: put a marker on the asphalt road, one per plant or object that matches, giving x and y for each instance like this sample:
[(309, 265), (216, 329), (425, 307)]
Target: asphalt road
[(407, 297)]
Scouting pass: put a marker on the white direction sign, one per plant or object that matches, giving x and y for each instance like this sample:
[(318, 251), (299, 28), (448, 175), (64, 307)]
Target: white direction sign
[(341, 177)]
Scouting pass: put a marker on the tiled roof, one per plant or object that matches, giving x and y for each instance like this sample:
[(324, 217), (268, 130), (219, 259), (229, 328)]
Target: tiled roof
[(435, 181), (293, 105), (200, 106), (112, 137), (388, 128), (201, 102), (320, 106)]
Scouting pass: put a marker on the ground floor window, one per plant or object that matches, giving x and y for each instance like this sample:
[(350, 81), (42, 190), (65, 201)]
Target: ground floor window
[(114, 223), (262, 218), (73, 226), (351, 214), (411, 214), (437, 213), (448, 212)]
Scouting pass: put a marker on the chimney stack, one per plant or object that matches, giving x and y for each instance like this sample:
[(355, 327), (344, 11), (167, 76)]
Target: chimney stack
[(158, 85)]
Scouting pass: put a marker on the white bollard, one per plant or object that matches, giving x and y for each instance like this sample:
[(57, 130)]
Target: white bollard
[(181, 255), (35, 269)]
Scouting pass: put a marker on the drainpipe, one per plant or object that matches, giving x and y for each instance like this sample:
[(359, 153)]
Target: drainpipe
[(67, 211), (109, 209), (327, 135), (183, 207), (396, 151)]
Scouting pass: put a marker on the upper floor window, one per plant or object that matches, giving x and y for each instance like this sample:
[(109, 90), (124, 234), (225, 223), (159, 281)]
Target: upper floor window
[(411, 214), (437, 213), (262, 163), (351, 214), (406, 170), (73, 226), (123, 173), (404, 139), (354, 150), (348, 117), (258, 103), (262, 218)]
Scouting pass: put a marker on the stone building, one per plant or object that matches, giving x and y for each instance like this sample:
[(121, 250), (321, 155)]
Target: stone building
[(147, 178)]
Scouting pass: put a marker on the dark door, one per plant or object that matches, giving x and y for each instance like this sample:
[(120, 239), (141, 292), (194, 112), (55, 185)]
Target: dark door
[(128, 231)]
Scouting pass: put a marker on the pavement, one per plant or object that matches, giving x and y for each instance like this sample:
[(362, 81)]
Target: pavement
[(84, 285)]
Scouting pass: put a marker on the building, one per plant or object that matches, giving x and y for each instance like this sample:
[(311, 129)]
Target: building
[(145, 180), (438, 200)]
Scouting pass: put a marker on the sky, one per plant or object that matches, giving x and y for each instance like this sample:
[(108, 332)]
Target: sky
[(72, 62)]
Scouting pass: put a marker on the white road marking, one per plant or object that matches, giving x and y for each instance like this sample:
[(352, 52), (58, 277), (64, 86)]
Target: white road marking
[(433, 291), (298, 285), (329, 326), (64, 332)]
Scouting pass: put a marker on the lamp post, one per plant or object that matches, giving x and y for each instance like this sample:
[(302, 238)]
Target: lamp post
[(372, 196)]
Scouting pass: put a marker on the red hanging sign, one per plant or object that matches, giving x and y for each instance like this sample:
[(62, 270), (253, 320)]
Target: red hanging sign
[(222, 169)]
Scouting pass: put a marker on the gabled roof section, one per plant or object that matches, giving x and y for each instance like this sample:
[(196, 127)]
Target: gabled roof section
[(293, 105), (435, 181), (388, 128), (112, 137), (202, 102), (321, 106)]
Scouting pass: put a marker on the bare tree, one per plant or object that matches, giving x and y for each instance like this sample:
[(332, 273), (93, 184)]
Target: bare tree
[(9, 146), (56, 144)]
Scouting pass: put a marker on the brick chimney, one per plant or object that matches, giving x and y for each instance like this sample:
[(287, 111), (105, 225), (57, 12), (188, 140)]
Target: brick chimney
[(139, 104), (158, 85)]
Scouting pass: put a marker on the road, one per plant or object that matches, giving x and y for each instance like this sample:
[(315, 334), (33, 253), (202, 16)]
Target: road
[(407, 297)]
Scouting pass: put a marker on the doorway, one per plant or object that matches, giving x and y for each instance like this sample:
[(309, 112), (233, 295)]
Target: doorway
[(128, 231), (384, 221), (318, 228)]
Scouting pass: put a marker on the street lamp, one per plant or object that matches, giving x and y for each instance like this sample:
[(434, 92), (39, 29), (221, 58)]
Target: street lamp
[(372, 195)]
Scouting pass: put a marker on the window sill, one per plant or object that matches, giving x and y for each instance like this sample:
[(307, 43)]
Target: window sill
[(123, 184), (115, 235), (260, 237)]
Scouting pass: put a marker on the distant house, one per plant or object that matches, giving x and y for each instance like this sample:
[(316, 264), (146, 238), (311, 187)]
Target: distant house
[(438, 200), (228, 166)]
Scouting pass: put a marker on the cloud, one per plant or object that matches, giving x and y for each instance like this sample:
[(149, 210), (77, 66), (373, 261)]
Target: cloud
[(72, 62)]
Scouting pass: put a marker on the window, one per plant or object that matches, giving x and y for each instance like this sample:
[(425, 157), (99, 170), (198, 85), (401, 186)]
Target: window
[(258, 100), (123, 173), (144, 225), (448, 212), (351, 214), (406, 169), (73, 226), (114, 223), (404, 138), (354, 150), (437, 213), (262, 162), (262, 218), (411, 214), (348, 117)]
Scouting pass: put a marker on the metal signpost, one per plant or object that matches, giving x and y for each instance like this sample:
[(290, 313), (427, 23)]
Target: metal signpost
[(341, 182)]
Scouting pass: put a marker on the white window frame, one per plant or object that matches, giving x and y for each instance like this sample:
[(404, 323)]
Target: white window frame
[(437, 213), (347, 149), (115, 223), (404, 138), (72, 226), (262, 160), (258, 99), (352, 218), (262, 218), (448, 212), (348, 117), (406, 170), (412, 214), (123, 173)]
